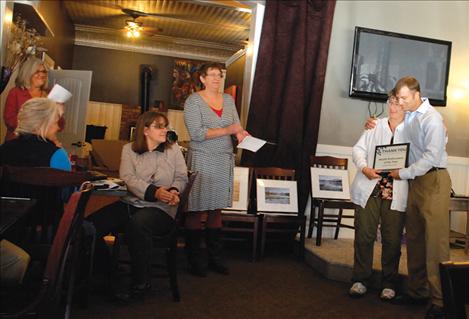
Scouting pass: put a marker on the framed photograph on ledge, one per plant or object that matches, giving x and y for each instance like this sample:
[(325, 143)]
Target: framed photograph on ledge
[(277, 196), (330, 183), (240, 189)]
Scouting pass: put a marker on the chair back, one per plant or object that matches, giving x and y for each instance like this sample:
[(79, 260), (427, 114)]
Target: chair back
[(184, 198), (454, 285), (275, 173), (62, 259), (47, 185), (328, 162)]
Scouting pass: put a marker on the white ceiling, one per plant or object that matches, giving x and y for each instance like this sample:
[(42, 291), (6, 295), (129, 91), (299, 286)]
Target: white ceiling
[(199, 29)]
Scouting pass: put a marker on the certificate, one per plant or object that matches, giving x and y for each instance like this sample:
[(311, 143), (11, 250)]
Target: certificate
[(390, 157)]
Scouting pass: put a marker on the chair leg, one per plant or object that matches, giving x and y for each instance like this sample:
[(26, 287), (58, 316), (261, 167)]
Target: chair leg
[(171, 263), (320, 221), (312, 216), (263, 236), (255, 236), (339, 221), (301, 253)]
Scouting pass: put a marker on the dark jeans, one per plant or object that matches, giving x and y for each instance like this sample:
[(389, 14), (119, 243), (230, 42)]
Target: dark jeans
[(144, 224), (141, 224), (111, 218)]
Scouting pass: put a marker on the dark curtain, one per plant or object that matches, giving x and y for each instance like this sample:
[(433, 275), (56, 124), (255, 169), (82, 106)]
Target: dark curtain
[(288, 85)]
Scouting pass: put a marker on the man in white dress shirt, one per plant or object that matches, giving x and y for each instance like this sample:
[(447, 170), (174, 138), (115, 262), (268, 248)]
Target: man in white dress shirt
[(427, 222)]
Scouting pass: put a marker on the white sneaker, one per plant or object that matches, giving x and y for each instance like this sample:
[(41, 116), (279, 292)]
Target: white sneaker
[(387, 294), (357, 290)]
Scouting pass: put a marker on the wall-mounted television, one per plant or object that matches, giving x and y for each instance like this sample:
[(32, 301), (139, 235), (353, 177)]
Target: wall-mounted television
[(380, 58)]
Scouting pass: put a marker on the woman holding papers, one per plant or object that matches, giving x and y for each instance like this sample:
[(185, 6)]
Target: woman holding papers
[(211, 119), (381, 200), (155, 174), (30, 82)]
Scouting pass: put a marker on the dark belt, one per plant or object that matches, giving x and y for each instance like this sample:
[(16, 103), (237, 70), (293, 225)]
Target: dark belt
[(433, 169)]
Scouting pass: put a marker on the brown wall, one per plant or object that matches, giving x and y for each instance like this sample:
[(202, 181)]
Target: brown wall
[(60, 47), (234, 76), (116, 76)]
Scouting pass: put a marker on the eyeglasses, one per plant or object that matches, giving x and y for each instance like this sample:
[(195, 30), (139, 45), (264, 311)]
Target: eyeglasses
[(216, 75), (159, 126), (393, 102), (40, 71)]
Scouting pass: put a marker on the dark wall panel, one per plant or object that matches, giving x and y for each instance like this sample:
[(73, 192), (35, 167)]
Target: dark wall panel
[(116, 76)]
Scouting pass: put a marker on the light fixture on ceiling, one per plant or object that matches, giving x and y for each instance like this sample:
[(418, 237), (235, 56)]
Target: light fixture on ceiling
[(133, 28)]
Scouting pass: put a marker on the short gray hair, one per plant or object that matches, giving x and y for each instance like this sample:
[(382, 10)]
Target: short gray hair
[(27, 69), (36, 116)]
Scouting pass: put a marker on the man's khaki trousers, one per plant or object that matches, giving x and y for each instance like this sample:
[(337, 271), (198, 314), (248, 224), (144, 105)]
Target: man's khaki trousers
[(427, 230)]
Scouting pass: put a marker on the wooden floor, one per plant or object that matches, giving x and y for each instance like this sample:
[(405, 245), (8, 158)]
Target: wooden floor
[(334, 259)]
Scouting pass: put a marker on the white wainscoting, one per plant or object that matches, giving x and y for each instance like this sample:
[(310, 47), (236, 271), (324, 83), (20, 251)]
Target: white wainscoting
[(105, 114), (458, 168)]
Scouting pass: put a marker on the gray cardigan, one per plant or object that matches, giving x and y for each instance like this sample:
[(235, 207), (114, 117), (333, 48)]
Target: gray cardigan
[(144, 173)]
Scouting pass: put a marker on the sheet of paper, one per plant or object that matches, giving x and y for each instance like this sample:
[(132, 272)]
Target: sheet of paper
[(59, 94), (251, 143)]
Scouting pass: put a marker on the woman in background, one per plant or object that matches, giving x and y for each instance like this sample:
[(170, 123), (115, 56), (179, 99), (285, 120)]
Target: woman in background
[(211, 119), (31, 82)]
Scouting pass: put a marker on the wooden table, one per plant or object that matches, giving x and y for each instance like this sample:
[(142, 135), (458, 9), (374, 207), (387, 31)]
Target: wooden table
[(461, 204), (12, 210)]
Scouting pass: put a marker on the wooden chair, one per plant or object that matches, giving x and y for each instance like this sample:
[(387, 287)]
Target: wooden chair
[(49, 187), (46, 185), (236, 224), (454, 284), (328, 220), (61, 267), (167, 242), (291, 223)]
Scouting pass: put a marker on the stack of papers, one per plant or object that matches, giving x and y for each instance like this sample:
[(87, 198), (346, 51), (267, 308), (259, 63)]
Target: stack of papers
[(110, 184), (59, 94), (251, 143)]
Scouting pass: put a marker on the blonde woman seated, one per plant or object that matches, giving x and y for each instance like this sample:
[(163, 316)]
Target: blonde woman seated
[(155, 173), (36, 130), (381, 200), (35, 145)]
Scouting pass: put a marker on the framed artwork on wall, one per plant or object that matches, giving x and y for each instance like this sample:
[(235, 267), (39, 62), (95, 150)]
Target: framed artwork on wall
[(277, 196), (240, 189), (330, 183), (185, 82)]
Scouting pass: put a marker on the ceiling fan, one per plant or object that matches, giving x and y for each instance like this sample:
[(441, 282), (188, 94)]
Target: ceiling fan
[(134, 28)]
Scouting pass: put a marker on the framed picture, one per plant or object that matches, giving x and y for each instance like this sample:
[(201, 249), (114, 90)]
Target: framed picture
[(240, 189), (330, 183), (48, 61), (276, 196), (185, 82)]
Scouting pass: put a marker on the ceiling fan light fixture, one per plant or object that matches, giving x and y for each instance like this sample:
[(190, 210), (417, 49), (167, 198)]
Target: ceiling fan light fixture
[(133, 28)]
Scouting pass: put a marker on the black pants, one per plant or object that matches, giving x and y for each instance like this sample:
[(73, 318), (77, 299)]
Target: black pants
[(140, 224), (144, 224)]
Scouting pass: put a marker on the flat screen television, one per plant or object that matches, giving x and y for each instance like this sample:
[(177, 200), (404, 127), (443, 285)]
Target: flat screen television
[(380, 58)]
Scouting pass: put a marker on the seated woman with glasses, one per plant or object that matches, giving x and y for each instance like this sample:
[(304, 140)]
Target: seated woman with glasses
[(31, 82), (155, 173)]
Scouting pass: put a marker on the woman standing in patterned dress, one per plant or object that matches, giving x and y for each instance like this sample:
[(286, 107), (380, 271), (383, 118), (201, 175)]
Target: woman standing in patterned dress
[(211, 118)]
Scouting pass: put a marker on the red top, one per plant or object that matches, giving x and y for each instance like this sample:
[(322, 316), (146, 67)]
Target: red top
[(218, 112), (15, 99)]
